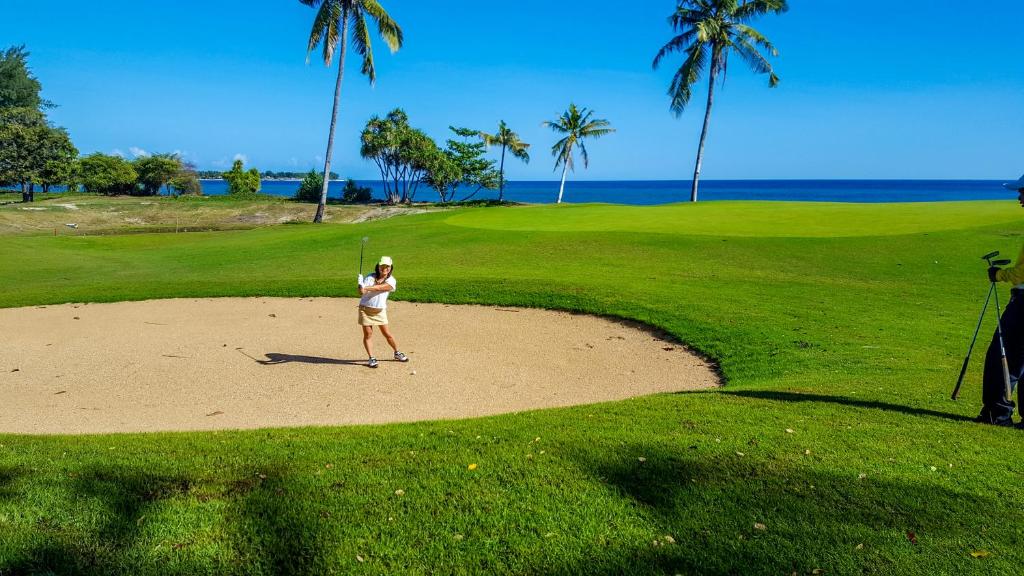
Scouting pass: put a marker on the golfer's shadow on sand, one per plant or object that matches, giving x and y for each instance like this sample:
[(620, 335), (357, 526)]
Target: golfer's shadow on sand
[(279, 358)]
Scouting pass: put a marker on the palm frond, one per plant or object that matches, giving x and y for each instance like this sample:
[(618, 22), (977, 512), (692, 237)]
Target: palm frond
[(388, 29), (757, 62), (584, 155), (756, 38), (325, 31), (363, 44), (681, 88), (754, 8), (520, 150), (677, 44)]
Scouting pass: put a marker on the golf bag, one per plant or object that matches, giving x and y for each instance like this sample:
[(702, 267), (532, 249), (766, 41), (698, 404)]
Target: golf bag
[(997, 409)]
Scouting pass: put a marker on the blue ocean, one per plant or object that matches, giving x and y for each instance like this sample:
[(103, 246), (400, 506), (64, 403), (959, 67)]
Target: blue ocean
[(648, 192)]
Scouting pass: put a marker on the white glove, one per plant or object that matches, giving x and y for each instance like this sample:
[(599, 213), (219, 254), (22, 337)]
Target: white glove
[(360, 279)]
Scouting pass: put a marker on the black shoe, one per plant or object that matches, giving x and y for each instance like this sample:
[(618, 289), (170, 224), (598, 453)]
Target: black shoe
[(984, 418), (1019, 425)]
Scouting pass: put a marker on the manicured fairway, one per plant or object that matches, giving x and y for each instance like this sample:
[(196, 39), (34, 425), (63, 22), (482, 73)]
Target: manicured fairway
[(833, 446)]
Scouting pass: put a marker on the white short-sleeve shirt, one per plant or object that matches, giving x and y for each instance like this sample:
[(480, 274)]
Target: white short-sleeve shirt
[(376, 299)]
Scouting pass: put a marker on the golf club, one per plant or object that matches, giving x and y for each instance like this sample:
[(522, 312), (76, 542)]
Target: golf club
[(999, 330), (967, 359), (361, 246), (1008, 389), (1002, 350)]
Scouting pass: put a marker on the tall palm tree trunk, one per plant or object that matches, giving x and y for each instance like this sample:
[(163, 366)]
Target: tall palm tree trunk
[(501, 170), (334, 120), (704, 132), (565, 168)]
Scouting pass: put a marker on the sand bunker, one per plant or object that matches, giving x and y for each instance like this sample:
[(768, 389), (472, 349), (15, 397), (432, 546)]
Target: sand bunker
[(224, 363)]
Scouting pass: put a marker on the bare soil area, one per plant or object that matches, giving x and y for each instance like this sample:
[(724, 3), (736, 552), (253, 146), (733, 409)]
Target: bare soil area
[(203, 364)]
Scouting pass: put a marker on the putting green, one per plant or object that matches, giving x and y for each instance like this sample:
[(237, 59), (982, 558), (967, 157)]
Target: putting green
[(773, 219)]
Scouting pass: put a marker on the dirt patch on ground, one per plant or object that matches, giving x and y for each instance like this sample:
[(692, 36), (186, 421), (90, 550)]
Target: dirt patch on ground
[(225, 363)]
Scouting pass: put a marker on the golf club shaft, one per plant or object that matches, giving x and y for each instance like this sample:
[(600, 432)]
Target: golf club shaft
[(967, 359), (1002, 352), (362, 246)]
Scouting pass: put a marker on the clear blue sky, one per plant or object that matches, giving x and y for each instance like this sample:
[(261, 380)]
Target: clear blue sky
[(870, 89)]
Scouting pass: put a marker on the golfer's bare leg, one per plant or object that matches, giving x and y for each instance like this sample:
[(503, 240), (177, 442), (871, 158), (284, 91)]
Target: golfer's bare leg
[(367, 342), (387, 336)]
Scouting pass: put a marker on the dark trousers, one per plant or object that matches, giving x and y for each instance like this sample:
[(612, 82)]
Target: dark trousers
[(997, 409)]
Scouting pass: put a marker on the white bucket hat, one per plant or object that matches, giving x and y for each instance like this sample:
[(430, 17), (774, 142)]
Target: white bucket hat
[(1018, 185), (385, 261)]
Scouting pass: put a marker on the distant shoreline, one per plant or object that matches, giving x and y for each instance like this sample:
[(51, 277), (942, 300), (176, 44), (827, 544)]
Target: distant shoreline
[(271, 179)]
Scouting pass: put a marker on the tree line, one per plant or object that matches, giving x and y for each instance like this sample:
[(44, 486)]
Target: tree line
[(34, 152), (706, 32), (265, 175), (408, 158)]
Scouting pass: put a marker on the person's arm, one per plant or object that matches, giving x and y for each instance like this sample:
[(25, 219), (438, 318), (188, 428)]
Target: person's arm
[(1013, 275), (379, 288)]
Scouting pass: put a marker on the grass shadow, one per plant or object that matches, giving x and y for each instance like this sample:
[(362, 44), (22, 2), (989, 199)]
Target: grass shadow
[(125, 498), (844, 401), (267, 532), (710, 503)]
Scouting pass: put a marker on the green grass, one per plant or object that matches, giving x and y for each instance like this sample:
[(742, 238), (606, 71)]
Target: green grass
[(851, 339)]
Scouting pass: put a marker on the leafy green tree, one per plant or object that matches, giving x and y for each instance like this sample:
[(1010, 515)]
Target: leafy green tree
[(103, 174), (707, 32), (331, 27), (242, 183), (186, 181), (576, 125), (18, 87), (156, 171), (32, 151), (57, 157), (401, 152), (467, 152), (353, 193), (508, 140), (311, 187), (23, 137), (442, 174)]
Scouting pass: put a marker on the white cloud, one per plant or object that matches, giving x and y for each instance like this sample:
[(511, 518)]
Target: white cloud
[(138, 152), (242, 157), (117, 152)]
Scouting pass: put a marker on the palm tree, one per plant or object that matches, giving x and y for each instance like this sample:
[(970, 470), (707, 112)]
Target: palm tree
[(331, 28), (509, 140), (576, 125), (711, 29)]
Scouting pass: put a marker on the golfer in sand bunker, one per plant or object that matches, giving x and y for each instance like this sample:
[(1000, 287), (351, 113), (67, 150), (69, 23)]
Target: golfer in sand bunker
[(373, 308)]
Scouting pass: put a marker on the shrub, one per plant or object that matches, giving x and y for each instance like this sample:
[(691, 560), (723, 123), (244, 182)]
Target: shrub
[(103, 174), (311, 187), (356, 194), (242, 183), (156, 171)]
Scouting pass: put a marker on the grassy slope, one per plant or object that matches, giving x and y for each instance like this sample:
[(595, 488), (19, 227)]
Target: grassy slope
[(852, 342), (94, 214)]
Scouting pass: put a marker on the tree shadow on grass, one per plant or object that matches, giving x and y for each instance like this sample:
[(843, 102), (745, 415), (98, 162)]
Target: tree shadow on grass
[(8, 474), (710, 503), (271, 536), (124, 497), (842, 400), (274, 358)]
